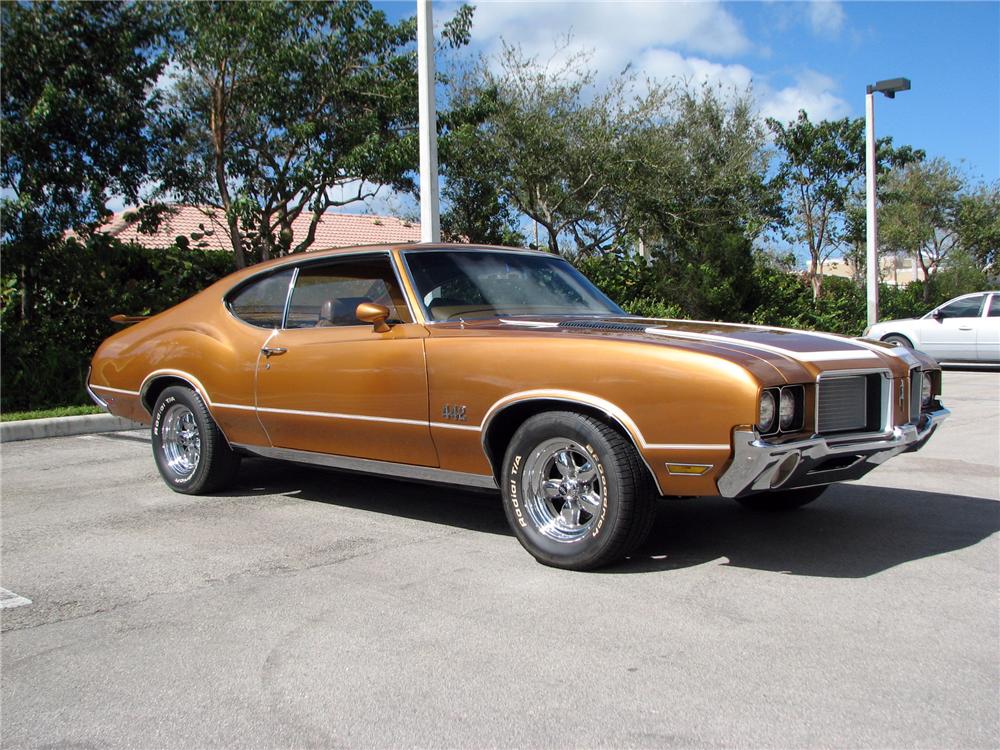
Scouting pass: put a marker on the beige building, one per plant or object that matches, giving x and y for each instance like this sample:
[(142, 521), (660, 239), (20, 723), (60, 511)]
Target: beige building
[(206, 229), (897, 269)]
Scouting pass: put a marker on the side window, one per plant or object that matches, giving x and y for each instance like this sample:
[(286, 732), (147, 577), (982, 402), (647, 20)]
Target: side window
[(262, 302), (994, 307), (969, 307), (327, 294)]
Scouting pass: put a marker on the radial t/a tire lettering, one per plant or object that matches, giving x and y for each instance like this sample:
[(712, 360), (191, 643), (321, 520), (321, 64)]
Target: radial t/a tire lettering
[(575, 491), (191, 452)]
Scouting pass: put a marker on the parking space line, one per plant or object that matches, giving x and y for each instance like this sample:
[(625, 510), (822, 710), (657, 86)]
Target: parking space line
[(8, 599)]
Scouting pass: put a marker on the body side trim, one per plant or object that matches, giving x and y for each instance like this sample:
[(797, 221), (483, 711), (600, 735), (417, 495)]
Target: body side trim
[(447, 426), (335, 415), (114, 390), (610, 410), (180, 375), (370, 466), (241, 407)]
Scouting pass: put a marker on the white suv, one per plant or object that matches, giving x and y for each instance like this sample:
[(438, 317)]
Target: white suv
[(965, 329)]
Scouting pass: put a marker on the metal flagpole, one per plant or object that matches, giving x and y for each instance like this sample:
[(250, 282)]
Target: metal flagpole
[(870, 209), (430, 220)]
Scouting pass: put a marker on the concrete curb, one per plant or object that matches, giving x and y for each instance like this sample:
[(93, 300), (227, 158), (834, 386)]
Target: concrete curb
[(34, 429)]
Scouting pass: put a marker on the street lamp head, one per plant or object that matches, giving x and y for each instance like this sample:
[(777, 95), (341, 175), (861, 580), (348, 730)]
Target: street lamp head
[(890, 86)]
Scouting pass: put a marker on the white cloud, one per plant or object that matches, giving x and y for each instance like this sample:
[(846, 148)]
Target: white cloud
[(826, 17), (617, 32), (385, 202), (812, 92), (662, 64)]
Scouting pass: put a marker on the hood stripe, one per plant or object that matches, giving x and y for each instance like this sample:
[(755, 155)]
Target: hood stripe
[(856, 349), (859, 352)]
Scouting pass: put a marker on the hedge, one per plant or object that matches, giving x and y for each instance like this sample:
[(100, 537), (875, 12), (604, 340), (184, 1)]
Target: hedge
[(770, 295), (55, 302)]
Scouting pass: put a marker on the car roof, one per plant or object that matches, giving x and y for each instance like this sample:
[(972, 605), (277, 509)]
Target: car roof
[(420, 247), (333, 252)]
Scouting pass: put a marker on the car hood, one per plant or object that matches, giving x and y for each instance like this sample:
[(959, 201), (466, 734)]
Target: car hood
[(779, 347), (893, 321)]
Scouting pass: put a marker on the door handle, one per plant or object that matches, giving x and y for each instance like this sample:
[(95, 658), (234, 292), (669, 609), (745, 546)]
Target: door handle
[(267, 351), (965, 328)]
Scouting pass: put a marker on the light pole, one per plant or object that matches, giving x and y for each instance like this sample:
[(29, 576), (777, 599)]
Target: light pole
[(889, 88), (430, 222)]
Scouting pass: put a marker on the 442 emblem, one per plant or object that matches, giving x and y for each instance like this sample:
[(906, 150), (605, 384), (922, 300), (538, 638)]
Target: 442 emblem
[(454, 412)]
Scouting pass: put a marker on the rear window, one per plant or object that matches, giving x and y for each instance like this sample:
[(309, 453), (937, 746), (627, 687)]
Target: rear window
[(262, 302)]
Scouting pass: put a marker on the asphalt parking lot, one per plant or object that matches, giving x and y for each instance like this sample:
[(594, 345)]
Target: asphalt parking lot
[(316, 609)]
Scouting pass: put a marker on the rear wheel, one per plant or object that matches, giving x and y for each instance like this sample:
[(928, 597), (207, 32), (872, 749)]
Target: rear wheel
[(191, 452), (575, 491), (782, 500)]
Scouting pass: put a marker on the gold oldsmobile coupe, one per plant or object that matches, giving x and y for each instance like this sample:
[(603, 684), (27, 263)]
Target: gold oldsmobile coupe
[(500, 368)]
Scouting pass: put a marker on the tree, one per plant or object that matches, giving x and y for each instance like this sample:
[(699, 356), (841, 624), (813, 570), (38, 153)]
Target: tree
[(475, 207), (76, 81), (288, 108), (598, 167), (822, 163), (705, 202), (978, 226), (550, 141), (920, 214), (705, 169)]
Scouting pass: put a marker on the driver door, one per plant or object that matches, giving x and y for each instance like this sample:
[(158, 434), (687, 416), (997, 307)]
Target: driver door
[(328, 383)]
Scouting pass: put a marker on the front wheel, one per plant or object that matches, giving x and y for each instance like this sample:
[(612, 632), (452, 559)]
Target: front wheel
[(782, 500), (898, 339), (575, 491), (190, 450)]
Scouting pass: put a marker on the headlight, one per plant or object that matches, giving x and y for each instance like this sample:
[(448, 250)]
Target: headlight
[(926, 389), (765, 420), (786, 409)]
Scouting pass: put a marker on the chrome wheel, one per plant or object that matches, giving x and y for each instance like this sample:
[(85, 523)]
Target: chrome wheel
[(181, 440), (563, 490)]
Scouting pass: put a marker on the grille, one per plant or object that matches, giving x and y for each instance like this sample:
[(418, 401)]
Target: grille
[(843, 404), (916, 387), (602, 326)]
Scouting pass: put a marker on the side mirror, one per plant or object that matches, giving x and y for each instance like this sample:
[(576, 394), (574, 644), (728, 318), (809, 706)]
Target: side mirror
[(937, 316), (369, 312)]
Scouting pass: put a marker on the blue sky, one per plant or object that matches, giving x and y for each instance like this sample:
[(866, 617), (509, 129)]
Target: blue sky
[(815, 55)]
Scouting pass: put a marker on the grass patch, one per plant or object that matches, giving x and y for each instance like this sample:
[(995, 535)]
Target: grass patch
[(59, 411)]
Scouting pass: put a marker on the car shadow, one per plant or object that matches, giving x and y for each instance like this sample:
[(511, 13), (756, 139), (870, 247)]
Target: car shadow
[(478, 510), (852, 531)]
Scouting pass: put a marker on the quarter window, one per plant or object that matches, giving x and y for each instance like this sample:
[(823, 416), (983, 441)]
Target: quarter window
[(994, 307), (262, 302), (963, 308), (328, 294)]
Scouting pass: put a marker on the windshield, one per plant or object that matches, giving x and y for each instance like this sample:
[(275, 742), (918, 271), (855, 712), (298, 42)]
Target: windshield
[(464, 285)]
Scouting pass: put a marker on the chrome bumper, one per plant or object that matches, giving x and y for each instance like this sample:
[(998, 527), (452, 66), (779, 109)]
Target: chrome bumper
[(758, 465), (93, 396)]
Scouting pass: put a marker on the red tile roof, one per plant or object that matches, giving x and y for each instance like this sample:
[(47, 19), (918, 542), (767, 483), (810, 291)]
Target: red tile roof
[(207, 229)]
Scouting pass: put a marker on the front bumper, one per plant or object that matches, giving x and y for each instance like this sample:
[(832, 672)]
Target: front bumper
[(759, 466)]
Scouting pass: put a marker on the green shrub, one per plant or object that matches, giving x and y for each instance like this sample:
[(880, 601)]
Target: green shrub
[(56, 301), (771, 294)]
